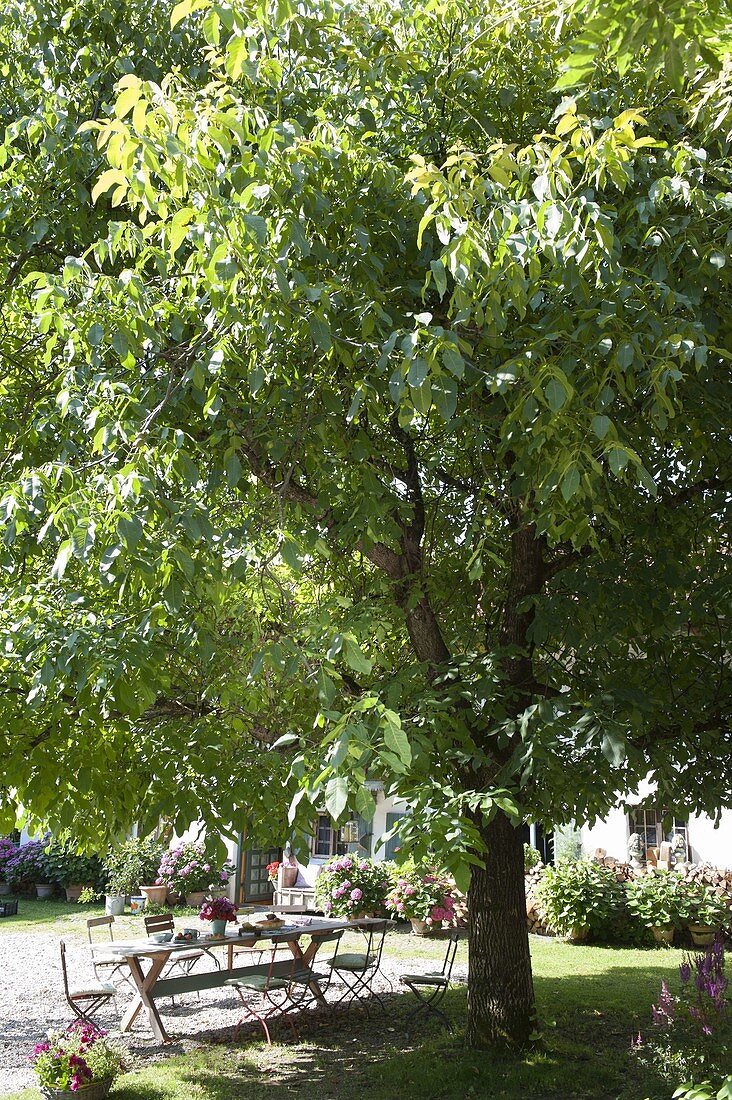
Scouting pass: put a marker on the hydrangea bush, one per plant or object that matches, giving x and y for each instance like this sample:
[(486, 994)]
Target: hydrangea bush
[(27, 866), (189, 868), (349, 885), (71, 1059), (422, 895), (8, 849)]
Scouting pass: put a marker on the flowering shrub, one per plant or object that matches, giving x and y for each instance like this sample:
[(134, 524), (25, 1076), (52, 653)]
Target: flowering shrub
[(272, 869), (659, 898), (7, 850), (349, 885), (77, 1057), (420, 895), (218, 909), (188, 868), (691, 1032), (27, 866)]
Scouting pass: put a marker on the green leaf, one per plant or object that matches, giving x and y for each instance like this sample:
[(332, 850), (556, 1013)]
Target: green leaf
[(601, 426), (320, 332), (355, 657), (556, 394), (397, 741), (617, 458), (570, 482), (336, 796), (625, 355)]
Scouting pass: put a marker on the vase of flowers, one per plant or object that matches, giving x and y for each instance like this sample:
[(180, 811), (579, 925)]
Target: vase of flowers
[(219, 911), (351, 887), (424, 898), (78, 1063), (191, 871)]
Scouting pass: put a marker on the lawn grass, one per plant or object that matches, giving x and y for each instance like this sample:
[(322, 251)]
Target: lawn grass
[(591, 1001)]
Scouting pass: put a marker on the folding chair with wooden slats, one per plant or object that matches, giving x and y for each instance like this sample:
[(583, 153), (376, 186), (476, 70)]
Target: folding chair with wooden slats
[(430, 988), (86, 999), (108, 965), (182, 962)]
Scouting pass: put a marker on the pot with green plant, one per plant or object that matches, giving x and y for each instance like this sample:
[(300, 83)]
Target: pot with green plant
[(707, 914), (579, 899), (659, 901), (73, 870), (128, 866)]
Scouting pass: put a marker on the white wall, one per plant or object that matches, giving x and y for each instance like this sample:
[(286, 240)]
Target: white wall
[(708, 845)]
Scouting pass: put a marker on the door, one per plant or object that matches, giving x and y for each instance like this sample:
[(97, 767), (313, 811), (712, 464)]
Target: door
[(257, 887)]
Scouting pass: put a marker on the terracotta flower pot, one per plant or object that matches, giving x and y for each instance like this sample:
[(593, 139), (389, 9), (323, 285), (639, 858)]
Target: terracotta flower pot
[(420, 927), (665, 934), (73, 892), (155, 895), (702, 935), (578, 933), (95, 1090), (196, 899)]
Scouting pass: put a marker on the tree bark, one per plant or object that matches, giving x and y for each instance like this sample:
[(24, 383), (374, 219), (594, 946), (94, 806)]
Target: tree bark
[(500, 985)]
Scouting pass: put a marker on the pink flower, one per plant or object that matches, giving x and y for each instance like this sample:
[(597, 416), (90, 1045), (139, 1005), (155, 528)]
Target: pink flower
[(207, 866), (448, 902), (223, 876), (400, 906), (363, 866), (356, 894), (409, 890), (347, 884), (347, 864)]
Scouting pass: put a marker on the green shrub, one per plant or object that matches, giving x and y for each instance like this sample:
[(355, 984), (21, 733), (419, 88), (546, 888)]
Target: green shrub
[(133, 864), (66, 866), (532, 857), (581, 895), (705, 907), (659, 899)]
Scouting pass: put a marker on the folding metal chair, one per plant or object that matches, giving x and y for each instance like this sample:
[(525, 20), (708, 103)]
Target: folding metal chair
[(430, 988), (105, 961), (274, 988), (358, 969), (88, 998)]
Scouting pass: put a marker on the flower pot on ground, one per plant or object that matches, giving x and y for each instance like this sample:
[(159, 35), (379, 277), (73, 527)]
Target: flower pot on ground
[(137, 903), (707, 914), (196, 899), (702, 935), (663, 934), (114, 905), (578, 933), (421, 927), (349, 885), (78, 1063), (4, 886), (44, 889), (74, 891), (155, 895)]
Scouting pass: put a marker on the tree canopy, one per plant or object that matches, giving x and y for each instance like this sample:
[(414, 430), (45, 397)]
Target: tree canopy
[(364, 411)]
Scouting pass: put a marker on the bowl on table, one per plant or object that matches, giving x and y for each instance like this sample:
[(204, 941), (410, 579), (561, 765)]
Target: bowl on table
[(161, 937)]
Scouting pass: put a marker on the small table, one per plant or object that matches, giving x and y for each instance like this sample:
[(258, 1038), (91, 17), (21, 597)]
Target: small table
[(150, 986)]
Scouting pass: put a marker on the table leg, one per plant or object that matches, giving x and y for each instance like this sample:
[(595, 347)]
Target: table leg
[(306, 958), (145, 983)]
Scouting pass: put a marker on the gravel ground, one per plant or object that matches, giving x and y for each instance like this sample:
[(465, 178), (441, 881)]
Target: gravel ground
[(32, 1002)]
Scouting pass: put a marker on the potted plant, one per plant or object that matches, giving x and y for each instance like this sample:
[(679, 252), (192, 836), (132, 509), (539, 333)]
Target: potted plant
[(423, 898), (219, 911), (78, 1063), (8, 848), (659, 901), (580, 898), (127, 866), (28, 870), (706, 913), (73, 870), (191, 870), (351, 887)]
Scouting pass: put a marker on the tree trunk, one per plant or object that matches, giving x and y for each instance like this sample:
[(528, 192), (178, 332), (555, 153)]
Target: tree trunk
[(500, 986)]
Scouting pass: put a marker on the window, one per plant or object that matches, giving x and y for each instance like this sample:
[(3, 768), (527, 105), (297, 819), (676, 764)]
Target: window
[(325, 842), (648, 821)]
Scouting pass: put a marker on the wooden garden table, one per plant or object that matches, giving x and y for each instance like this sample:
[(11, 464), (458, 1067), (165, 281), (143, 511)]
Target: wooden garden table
[(150, 986)]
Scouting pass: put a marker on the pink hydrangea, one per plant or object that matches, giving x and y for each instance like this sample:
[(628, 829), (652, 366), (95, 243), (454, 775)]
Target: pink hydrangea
[(356, 894)]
